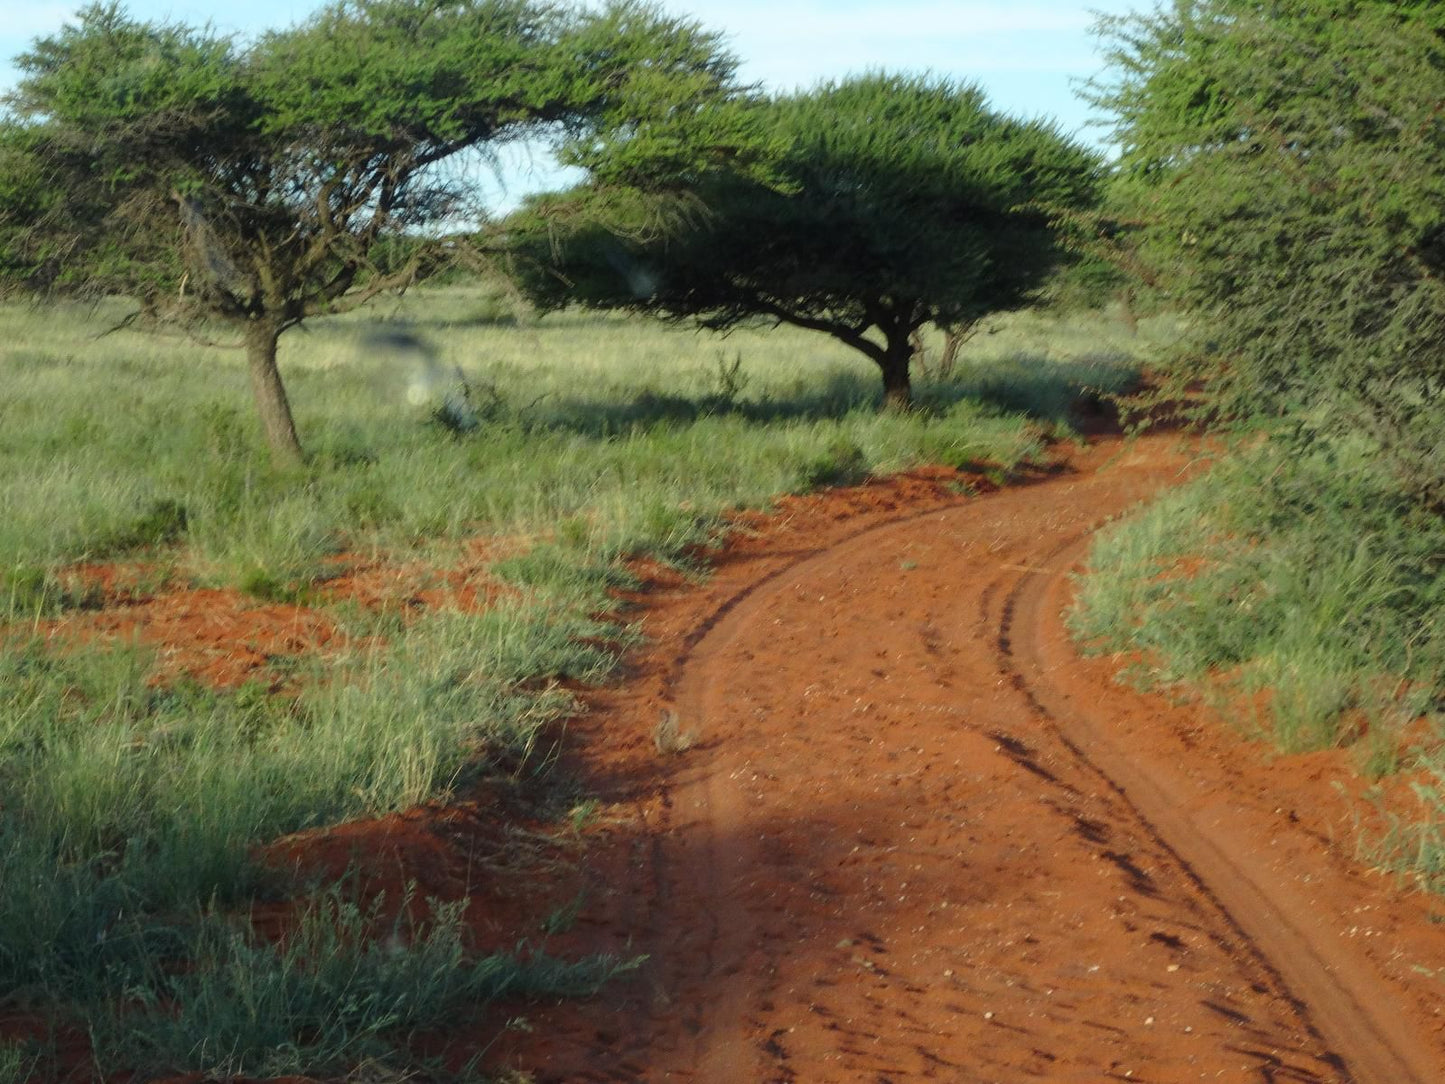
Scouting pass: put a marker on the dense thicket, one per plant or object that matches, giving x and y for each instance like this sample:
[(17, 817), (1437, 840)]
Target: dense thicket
[(256, 185), (881, 203), (1282, 176), (1284, 165)]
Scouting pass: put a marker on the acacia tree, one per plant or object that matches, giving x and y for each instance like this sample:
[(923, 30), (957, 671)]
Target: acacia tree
[(258, 186), (1285, 167), (884, 203)]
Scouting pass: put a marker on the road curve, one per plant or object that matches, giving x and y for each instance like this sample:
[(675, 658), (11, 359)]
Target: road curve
[(912, 839)]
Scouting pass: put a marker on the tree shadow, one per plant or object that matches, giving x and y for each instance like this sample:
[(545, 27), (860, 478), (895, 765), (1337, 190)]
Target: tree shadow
[(1037, 387)]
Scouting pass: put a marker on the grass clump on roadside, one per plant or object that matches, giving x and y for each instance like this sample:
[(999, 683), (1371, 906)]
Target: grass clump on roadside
[(1308, 576), (1312, 581), (130, 814), (333, 996)]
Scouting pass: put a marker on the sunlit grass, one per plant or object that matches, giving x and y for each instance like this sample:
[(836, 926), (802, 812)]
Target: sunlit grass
[(114, 441), (1308, 576), (130, 812)]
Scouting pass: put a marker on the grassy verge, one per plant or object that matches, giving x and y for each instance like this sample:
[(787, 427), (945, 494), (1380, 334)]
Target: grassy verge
[(129, 815), (111, 445), (1309, 577), (129, 812)]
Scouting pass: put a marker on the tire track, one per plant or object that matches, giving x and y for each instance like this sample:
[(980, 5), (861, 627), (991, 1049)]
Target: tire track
[(1344, 1000), (908, 845)]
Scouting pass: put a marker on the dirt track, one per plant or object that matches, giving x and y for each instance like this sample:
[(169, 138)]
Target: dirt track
[(916, 837)]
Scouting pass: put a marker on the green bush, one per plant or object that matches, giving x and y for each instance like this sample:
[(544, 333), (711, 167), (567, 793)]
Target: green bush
[(1283, 169)]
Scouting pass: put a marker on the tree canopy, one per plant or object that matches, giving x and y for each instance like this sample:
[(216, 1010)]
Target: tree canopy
[(881, 203), (256, 185), (1285, 164)]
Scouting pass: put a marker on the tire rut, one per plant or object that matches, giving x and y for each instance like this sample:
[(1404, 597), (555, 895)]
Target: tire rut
[(1333, 992), (904, 846)]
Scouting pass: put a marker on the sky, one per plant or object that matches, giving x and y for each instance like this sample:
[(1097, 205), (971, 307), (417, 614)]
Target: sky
[(1027, 54)]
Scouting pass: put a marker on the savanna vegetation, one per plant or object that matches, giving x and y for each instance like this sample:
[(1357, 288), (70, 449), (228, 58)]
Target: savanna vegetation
[(874, 207), (132, 812), (1276, 197), (1280, 181), (256, 187)]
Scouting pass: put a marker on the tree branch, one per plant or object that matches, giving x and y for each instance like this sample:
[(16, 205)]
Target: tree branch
[(844, 333)]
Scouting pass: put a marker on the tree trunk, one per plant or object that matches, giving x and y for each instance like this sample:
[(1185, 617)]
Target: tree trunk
[(953, 340), (897, 390), (270, 393)]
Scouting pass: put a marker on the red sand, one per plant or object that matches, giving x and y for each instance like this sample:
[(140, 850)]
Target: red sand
[(915, 836)]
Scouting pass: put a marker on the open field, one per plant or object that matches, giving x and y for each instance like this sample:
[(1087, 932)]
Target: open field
[(441, 693), (131, 811), (115, 441)]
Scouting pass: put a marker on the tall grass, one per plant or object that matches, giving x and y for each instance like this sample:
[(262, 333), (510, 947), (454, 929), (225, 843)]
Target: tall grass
[(129, 812), (1311, 577), (112, 443), (129, 815), (327, 1000)]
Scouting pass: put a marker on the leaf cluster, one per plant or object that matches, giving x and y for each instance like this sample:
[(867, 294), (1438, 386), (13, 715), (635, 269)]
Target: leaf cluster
[(257, 181), (873, 206), (1286, 165)]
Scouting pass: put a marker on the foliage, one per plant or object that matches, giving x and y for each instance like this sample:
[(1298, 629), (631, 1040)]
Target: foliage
[(335, 995), (1308, 575), (256, 186), (592, 420), (129, 815), (883, 203), (1285, 165)]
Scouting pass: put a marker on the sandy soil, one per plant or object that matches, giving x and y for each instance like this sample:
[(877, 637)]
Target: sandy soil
[(915, 836), (871, 818)]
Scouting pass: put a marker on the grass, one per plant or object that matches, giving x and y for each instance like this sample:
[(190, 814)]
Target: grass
[(330, 998), (1415, 849), (116, 443), (1306, 577), (130, 812)]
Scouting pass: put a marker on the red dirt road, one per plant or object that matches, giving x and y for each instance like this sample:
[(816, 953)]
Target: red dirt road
[(916, 837)]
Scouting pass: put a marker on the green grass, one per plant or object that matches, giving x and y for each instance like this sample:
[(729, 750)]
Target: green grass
[(1415, 848), (114, 443), (330, 999), (1311, 578), (129, 813), (1307, 576)]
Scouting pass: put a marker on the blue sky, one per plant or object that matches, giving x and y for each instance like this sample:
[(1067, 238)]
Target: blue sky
[(1027, 54)]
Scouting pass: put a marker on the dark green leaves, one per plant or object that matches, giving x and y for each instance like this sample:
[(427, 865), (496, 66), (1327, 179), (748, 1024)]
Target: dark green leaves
[(1288, 165), (267, 184), (863, 209)]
